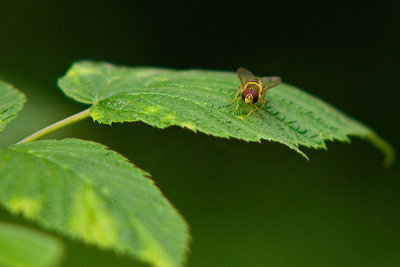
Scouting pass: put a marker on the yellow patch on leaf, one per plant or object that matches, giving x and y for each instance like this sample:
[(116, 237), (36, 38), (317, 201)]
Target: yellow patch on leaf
[(24, 205), (91, 221), (152, 109)]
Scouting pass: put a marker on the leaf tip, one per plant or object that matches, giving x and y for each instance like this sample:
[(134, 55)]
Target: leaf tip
[(305, 156), (384, 147)]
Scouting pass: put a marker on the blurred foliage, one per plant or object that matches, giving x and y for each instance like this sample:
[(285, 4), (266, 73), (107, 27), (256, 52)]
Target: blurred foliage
[(21, 246), (341, 208), (11, 101), (85, 191)]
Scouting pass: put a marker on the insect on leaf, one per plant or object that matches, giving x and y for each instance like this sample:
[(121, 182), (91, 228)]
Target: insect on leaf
[(11, 101), (85, 191), (200, 100), (21, 246)]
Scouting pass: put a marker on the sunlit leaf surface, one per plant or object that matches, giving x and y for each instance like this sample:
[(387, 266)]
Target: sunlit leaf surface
[(200, 100)]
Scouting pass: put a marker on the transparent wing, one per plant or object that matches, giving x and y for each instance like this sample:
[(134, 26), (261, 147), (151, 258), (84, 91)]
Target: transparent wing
[(269, 82), (244, 75)]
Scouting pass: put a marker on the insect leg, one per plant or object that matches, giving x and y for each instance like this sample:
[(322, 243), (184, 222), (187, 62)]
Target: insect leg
[(252, 110), (259, 108), (237, 94), (237, 103), (264, 101), (237, 98)]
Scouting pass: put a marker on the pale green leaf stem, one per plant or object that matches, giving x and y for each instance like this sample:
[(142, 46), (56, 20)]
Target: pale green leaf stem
[(55, 126)]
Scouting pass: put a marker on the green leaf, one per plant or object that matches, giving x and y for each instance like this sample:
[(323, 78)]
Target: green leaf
[(21, 246), (200, 100), (86, 191), (11, 101)]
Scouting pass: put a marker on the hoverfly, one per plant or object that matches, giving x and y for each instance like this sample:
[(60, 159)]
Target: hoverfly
[(253, 89)]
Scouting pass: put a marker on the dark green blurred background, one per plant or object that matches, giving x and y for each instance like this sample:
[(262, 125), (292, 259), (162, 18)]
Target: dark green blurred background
[(339, 209)]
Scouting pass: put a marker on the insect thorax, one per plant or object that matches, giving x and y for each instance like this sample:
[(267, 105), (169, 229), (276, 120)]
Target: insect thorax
[(253, 85)]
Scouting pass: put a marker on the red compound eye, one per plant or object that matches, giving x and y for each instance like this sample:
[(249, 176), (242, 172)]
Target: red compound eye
[(254, 93)]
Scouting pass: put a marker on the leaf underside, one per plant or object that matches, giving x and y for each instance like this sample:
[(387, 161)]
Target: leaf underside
[(86, 191), (21, 246), (11, 101), (200, 100)]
